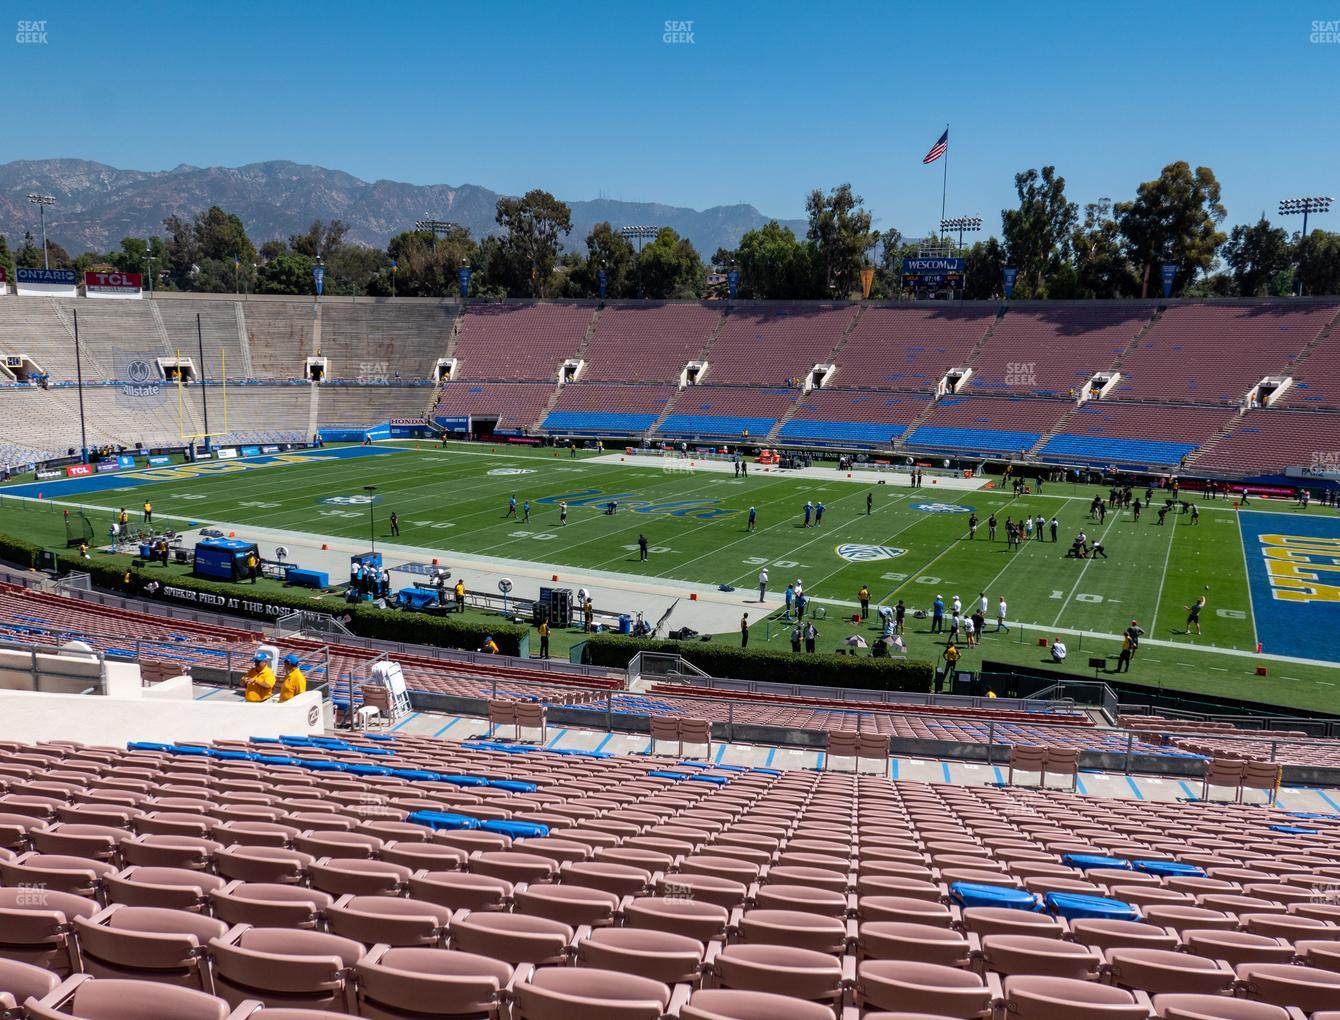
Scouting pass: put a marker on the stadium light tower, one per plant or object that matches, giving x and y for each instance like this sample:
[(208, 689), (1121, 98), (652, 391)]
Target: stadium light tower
[(642, 232), (970, 224), (1298, 207), (1289, 207), (439, 228), (42, 201)]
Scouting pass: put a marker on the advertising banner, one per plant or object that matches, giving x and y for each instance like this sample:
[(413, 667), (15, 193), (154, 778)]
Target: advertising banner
[(47, 282), (114, 285), (79, 470)]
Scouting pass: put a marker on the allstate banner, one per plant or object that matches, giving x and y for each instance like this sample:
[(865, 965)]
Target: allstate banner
[(1011, 274), (732, 282), (319, 278), (137, 381), (1169, 275), (125, 460), (47, 282), (251, 451), (114, 285), (463, 280)]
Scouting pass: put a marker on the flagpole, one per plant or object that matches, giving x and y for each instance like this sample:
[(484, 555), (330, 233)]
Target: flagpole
[(944, 184)]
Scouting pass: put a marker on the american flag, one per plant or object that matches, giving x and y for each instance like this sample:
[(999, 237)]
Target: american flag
[(938, 149)]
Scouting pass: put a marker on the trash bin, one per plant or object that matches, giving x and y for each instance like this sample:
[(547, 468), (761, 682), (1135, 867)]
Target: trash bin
[(625, 624)]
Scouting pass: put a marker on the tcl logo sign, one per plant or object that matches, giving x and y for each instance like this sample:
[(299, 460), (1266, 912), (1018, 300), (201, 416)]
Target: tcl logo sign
[(76, 470), (117, 281)]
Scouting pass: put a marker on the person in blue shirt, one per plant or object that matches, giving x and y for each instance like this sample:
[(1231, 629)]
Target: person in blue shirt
[(809, 508), (790, 600), (511, 508), (753, 518), (819, 514), (525, 512), (938, 615)]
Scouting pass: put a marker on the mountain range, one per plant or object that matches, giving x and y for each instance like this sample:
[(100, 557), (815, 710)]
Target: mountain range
[(97, 205)]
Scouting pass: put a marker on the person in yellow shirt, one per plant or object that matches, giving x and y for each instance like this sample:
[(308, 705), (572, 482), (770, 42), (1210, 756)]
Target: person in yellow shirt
[(148, 512), (259, 680), (490, 645), (460, 595), (295, 682), (864, 596)]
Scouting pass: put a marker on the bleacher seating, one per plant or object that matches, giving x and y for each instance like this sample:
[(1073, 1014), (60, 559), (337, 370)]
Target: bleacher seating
[(1212, 353), (910, 348), (396, 875), (369, 405), (279, 336), (516, 341), (1054, 349), (374, 341), (1110, 432), (38, 327), (1316, 379), (727, 411), (223, 340), (649, 342), (988, 424), (1269, 440), (382, 354), (853, 417), (516, 406), (607, 408), (770, 345)]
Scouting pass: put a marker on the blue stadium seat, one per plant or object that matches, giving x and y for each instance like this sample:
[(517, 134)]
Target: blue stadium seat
[(999, 440), (873, 433)]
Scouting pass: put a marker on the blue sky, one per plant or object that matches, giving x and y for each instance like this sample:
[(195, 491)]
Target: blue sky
[(766, 102)]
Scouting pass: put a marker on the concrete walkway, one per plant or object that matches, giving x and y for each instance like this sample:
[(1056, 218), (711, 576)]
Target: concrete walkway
[(461, 729)]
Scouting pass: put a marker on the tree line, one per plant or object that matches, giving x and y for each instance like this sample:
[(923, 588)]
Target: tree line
[(1107, 250)]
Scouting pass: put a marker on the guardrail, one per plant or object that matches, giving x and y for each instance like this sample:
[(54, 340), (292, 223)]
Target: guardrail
[(40, 672)]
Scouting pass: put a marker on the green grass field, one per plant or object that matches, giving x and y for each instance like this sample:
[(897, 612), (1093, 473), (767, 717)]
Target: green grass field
[(455, 500)]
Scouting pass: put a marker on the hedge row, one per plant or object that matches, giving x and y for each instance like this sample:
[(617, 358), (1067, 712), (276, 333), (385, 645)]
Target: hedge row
[(245, 600), (769, 666), (17, 551)]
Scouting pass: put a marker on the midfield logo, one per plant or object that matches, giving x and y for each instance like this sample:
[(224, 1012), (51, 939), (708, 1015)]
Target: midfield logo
[(859, 553)]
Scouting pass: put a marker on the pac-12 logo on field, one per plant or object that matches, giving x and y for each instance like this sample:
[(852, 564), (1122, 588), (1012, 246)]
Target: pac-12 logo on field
[(942, 508), (350, 500), (858, 553), (512, 471)]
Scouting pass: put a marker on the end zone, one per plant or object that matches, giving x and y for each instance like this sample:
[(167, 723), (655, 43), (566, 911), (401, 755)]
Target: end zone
[(181, 472)]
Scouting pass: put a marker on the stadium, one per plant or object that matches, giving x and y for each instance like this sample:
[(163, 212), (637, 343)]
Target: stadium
[(552, 645)]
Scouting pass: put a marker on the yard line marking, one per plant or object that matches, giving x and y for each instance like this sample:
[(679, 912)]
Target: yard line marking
[(1116, 516), (1247, 578), (1158, 600)]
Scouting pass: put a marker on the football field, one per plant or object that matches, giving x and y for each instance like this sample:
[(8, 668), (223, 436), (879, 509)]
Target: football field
[(1261, 568)]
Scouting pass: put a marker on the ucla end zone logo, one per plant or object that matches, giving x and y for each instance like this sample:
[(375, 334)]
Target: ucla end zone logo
[(512, 471), (943, 508), (859, 553)]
